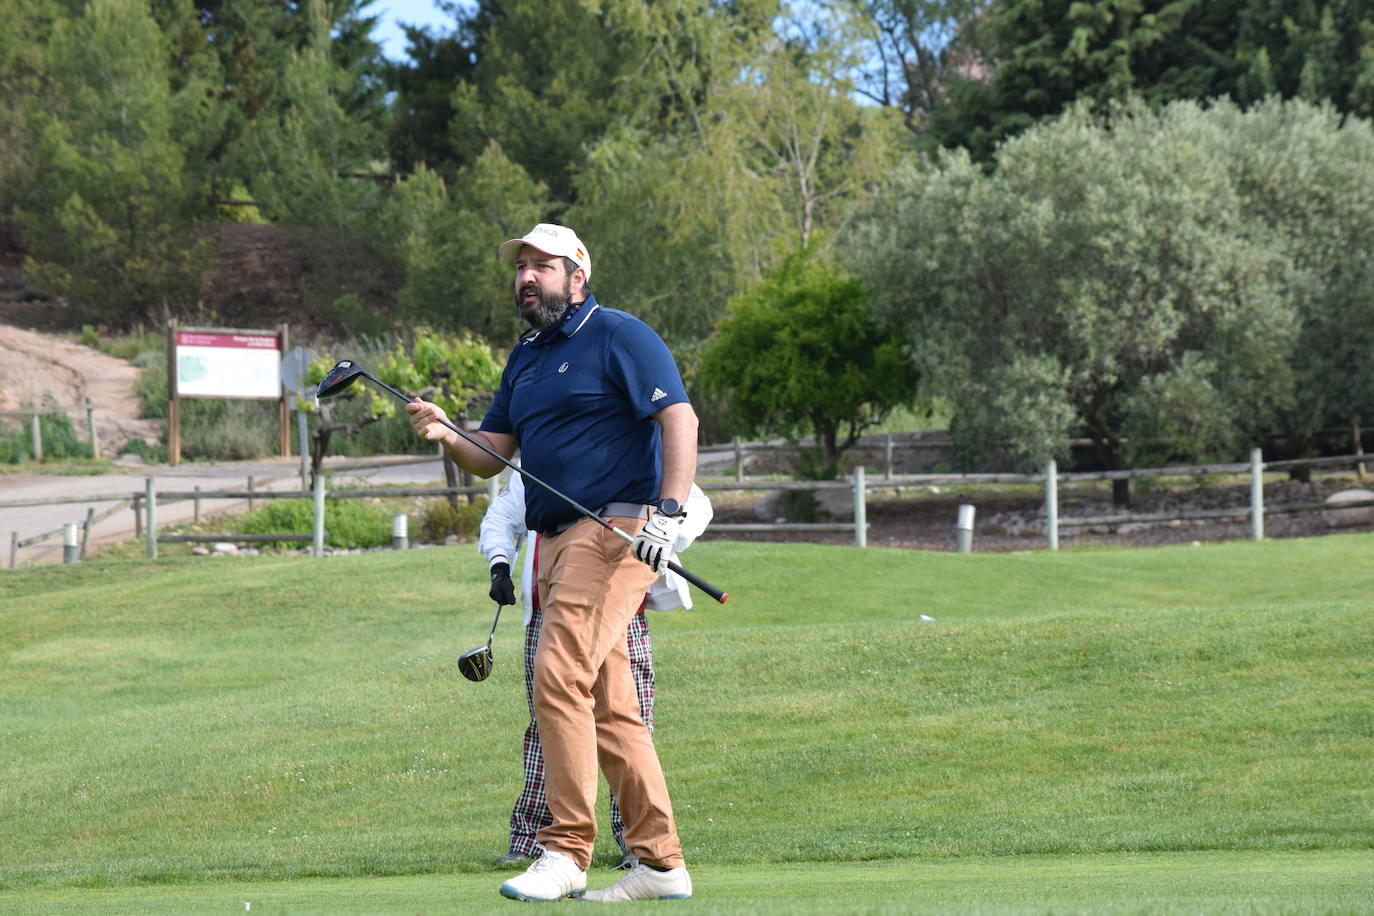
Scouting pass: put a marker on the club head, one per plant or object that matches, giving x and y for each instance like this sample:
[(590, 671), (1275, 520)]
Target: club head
[(475, 664), (337, 380)]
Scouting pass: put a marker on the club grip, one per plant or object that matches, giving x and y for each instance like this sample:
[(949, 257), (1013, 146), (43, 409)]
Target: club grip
[(699, 582)]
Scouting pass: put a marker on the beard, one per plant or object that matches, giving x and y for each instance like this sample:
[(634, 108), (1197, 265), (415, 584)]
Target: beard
[(550, 307)]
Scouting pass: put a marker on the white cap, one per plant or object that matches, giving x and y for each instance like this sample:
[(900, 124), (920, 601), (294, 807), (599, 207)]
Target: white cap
[(559, 241)]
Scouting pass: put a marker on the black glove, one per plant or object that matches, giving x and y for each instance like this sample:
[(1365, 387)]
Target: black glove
[(502, 588)]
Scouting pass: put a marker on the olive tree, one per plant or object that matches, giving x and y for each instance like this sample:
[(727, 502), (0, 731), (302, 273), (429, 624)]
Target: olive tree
[(1105, 281), (1307, 174)]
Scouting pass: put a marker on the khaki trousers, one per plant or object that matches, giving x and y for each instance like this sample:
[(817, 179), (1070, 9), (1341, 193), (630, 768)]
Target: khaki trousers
[(584, 696)]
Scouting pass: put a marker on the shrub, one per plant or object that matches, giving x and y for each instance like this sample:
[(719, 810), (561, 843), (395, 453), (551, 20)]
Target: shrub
[(59, 435), (348, 523), (151, 384), (800, 506), (239, 436), (438, 519), (151, 454), (12, 450), (140, 346)]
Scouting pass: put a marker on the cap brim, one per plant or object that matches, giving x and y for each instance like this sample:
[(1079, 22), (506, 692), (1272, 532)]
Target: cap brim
[(511, 247)]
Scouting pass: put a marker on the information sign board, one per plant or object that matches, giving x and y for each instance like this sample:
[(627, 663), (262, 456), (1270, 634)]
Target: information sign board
[(227, 364)]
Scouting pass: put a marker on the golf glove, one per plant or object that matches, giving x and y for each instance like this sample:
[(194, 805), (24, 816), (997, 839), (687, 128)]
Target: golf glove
[(653, 545), (502, 588)]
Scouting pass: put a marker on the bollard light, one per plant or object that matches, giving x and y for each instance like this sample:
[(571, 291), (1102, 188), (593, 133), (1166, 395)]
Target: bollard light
[(400, 539), (71, 542), (965, 528)]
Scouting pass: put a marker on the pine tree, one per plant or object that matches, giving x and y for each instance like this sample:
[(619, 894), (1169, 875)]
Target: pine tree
[(107, 226)]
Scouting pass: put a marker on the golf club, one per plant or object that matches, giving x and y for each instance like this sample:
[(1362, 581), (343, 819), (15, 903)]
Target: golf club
[(476, 663), (346, 371)]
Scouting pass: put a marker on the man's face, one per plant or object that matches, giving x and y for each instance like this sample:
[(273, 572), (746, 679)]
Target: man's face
[(543, 287)]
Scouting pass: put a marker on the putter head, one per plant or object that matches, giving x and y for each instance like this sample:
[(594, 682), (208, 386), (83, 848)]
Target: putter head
[(475, 664), (337, 380)]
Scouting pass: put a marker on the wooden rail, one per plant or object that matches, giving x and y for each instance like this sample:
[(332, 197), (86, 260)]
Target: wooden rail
[(237, 538), (36, 433), (859, 484)]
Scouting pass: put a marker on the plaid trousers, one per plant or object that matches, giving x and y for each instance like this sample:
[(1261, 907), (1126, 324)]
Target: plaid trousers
[(531, 811)]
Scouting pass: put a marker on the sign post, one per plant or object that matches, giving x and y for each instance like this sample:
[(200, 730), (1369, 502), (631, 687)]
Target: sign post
[(293, 366), (283, 413)]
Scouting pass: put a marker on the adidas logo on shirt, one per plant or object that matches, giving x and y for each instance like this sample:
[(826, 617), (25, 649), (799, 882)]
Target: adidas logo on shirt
[(659, 394)]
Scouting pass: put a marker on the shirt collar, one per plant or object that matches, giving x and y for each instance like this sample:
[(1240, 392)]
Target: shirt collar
[(572, 321)]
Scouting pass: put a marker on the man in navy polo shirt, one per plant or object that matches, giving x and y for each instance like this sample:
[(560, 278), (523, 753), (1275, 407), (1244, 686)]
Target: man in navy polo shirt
[(596, 407)]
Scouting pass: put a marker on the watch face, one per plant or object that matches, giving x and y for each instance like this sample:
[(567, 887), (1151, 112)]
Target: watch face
[(670, 506)]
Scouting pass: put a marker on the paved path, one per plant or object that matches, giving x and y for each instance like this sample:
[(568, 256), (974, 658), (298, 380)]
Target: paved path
[(105, 491)]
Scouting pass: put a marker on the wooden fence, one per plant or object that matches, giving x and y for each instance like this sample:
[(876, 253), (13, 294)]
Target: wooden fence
[(145, 504), (36, 429)]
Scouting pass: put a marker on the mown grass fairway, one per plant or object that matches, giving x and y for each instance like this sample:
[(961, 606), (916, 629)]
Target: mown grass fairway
[(1178, 729)]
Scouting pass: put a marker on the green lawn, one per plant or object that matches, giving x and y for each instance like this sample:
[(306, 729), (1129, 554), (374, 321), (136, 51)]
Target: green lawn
[(1182, 883), (1177, 729)]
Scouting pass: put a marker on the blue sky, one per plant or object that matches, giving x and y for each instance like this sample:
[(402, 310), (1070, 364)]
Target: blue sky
[(412, 12)]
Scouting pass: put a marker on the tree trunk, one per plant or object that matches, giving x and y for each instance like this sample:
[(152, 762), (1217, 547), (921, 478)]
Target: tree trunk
[(451, 479), (1110, 458), (321, 438), (1302, 473), (832, 454), (1359, 447)]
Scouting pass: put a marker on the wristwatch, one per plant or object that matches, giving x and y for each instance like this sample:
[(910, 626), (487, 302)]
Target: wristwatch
[(670, 506)]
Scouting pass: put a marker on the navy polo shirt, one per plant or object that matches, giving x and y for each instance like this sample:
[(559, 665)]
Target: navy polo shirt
[(579, 399)]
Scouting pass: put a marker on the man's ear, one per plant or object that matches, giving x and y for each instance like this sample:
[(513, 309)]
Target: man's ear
[(579, 282)]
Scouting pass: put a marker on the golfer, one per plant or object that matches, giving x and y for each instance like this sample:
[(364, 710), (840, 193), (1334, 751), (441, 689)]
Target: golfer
[(503, 529), (595, 404)]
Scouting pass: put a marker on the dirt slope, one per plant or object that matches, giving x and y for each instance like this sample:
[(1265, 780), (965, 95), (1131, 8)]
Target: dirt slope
[(33, 364)]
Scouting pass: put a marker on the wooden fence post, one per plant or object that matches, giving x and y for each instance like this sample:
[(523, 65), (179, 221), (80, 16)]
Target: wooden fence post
[(317, 546), (151, 509), (739, 462), (887, 457), (1052, 503), (90, 426), (36, 432), (86, 530), (14, 549), (860, 508)]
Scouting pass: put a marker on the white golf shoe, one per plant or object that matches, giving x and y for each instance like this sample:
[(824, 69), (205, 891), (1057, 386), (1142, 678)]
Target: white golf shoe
[(644, 883), (553, 876)]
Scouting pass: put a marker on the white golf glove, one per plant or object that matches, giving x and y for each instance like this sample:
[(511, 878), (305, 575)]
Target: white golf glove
[(653, 545)]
